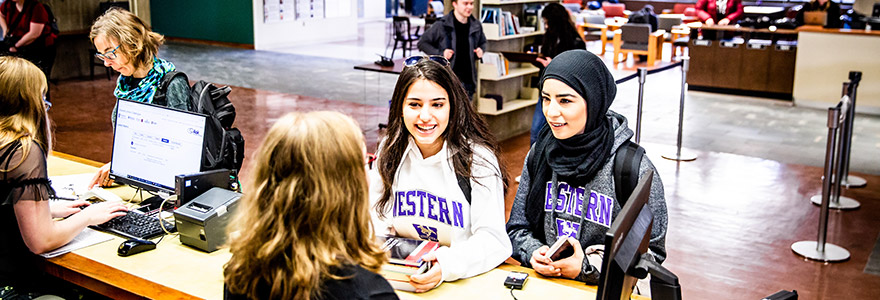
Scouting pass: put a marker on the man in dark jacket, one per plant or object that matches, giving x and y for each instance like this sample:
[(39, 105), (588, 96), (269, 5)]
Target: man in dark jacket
[(458, 37)]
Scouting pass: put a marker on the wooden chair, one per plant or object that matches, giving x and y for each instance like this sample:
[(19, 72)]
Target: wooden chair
[(594, 29), (638, 40)]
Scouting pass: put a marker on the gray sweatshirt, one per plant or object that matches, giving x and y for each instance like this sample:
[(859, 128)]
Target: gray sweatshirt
[(588, 222)]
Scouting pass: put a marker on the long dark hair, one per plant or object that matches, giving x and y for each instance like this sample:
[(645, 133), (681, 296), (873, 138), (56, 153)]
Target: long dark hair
[(466, 128), (561, 33)]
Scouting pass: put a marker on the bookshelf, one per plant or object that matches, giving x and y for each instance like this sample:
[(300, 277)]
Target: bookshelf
[(513, 86)]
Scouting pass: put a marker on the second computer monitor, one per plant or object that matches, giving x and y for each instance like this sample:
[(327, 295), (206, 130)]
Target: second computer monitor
[(152, 144), (625, 242)]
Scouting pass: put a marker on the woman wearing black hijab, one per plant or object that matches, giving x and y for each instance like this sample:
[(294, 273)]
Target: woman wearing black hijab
[(573, 158)]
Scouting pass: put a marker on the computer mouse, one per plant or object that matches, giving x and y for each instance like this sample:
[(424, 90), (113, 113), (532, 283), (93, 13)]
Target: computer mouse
[(135, 246)]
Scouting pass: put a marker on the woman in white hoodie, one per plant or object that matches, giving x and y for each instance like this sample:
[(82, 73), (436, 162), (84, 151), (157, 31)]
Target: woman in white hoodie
[(439, 177)]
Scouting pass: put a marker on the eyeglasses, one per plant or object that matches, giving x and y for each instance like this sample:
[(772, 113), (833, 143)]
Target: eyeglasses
[(109, 55), (413, 60), (46, 103)]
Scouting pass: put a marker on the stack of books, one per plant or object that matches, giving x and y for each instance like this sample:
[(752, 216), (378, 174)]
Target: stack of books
[(494, 65), (405, 260), (508, 23)]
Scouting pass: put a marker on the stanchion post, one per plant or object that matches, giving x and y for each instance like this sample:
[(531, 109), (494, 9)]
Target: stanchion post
[(851, 181), (838, 201), (679, 156), (820, 250), (643, 73)]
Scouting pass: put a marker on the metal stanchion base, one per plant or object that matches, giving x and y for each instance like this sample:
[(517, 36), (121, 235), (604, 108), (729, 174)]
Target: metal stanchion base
[(852, 181), (842, 203), (832, 253), (685, 156)]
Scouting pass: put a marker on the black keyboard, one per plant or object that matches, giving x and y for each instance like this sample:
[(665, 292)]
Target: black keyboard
[(135, 224)]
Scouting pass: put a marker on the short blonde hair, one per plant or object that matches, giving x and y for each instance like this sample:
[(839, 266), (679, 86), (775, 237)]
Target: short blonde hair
[(305, 211), (22, 111), (137, 42)]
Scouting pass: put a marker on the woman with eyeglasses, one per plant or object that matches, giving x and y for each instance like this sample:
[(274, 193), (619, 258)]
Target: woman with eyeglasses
[(438, 175), (567, 188), (126, 44), (29, 225)]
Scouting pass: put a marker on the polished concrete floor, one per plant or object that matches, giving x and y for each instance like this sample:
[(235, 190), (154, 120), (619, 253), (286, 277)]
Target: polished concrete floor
[(733, 212), (750, 126)]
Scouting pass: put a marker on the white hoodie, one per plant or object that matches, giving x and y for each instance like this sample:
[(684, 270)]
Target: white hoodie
[(427, 203)]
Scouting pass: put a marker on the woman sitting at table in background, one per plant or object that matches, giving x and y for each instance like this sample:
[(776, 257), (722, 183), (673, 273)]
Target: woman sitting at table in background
[(573, 158), (27, 225), (560, 35), (438, 149), (127, 44), (304, 229), (721, 12)]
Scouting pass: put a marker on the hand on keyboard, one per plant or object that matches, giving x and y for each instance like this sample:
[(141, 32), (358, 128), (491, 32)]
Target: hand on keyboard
[(102, 212), (100, 193), (137, 225)]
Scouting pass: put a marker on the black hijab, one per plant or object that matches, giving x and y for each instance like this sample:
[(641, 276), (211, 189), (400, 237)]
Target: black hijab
[(576, 159)]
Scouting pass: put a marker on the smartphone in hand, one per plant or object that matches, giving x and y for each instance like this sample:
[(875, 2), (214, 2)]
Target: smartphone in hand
[(561, 249)]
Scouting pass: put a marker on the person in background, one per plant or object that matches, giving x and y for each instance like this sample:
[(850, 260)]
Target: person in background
[(574, 158), (304, 229), (29, 225), (126, 44), (831, 9), (560, 35), (721, 12), (460, 39), (438, 149), (27, 33)]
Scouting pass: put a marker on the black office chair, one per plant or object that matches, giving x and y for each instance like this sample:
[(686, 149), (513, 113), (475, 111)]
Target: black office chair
[(403, 36)]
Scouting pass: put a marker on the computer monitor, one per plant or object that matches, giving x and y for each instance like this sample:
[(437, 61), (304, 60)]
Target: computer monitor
[(152, 144), (626, 243)]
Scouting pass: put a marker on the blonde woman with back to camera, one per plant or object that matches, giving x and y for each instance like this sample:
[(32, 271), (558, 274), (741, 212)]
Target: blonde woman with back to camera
[(126, 44), (28, 224), (305, 229)]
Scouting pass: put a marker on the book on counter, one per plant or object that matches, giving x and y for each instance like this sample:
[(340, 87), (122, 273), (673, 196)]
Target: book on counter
[(406, 251), (405, 259)]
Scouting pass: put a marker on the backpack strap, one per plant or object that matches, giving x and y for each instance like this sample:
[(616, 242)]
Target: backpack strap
[(626, 170), (465, 186), (160, 97)]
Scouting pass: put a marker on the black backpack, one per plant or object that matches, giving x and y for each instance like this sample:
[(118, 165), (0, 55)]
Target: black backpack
[(53, 22), (224, 145)]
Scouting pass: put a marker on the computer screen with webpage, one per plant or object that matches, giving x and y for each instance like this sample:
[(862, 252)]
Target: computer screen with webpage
[(152, 144)]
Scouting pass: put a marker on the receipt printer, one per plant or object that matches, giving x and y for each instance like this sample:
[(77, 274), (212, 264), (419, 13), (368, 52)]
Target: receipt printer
[(202, 221)]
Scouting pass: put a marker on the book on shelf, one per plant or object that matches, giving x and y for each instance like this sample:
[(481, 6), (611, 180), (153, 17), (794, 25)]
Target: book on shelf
[(507, 23), (494, 65)]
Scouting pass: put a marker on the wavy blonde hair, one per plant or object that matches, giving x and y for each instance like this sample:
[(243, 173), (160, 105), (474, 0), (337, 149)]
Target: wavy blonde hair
[(305, 210), (22, 111), (136, 41)]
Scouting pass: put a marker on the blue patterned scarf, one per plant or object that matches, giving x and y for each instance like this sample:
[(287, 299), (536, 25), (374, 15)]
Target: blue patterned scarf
[(144, 90)]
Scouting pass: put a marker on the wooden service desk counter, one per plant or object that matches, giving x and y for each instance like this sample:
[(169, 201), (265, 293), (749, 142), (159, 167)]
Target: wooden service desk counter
[(824, 59), (176, 271), (171, 271), (732, 59)]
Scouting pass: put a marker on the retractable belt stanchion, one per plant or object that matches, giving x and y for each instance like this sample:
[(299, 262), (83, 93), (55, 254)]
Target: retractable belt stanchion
[(643, 72), (838, 201), (851, 181), (820, 250), (679, 155)]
